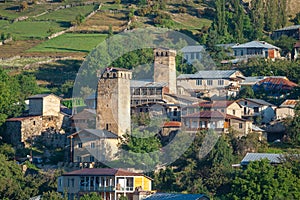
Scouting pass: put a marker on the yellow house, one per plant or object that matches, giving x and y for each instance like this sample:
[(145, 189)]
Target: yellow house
[(111, 184)]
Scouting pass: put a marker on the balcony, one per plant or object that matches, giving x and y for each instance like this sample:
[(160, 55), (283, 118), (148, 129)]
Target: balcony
[(97, 188)]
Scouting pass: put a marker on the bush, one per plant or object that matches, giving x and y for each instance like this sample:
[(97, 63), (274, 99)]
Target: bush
[(182, 9), (23, 6)]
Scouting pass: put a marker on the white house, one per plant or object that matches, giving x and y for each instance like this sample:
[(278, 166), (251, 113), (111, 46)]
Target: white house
[(192, 53)]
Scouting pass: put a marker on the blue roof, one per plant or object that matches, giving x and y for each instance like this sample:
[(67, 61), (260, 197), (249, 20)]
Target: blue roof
[(167, 196)]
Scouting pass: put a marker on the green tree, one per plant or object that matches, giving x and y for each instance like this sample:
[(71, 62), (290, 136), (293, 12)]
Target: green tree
[(165, 180), (296, 19), (260, 180), (52, 195), (91, 196), (257, 18), (293, 126)]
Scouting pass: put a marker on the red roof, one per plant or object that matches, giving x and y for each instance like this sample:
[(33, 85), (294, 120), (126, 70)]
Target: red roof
[(172, 124), (101, 172), (284, 83)]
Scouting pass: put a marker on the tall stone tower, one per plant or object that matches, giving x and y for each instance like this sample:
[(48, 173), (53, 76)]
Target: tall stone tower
[(113, 101), (165, 67)]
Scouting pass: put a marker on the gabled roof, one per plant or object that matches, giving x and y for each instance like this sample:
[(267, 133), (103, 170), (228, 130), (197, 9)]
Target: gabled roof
[(277, 83), (210, 74), (41, 96), (259, 102), (256, 44), (168, 196), (289, 28), (196, 48), (101, 172), (272, 157), (85, 114), (289, 103), (97, 132)]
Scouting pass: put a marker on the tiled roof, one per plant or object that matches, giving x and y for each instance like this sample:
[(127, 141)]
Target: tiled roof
[(209, 74), (101, 172), (289, 103), (166, 196), (273, 158), (100, 133), (172, 124), (254, 79), (277, 83), (149, 84), (256, 44), (289, 28), (197, 48)]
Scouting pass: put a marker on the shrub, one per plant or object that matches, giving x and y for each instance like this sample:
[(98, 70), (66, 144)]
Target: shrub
[(23, 6), (182, 9)]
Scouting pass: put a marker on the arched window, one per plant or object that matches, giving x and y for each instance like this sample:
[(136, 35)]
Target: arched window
[(162, 53)]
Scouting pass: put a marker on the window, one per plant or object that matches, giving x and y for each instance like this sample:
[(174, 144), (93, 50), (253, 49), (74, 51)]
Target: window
[(221, 82), (192, 55), (80, 145), (256, 109), (33, 123), (240, 125), (92, 145), (92, 159), (246, 103), (209, 82), (233, 112), (175, 112), (199, 82), (78, 158), (72, 182)]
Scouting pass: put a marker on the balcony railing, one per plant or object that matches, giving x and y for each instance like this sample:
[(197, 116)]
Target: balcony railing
[(97, 188)]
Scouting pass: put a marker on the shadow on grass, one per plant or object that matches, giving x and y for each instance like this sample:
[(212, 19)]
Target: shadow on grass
[(68, 49)]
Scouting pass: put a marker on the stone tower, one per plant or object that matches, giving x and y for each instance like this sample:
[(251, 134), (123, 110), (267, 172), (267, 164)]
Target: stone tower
[(165, 67), (113, 101)]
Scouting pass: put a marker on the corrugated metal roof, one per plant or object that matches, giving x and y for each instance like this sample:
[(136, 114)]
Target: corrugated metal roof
[(272, 157), (209, 74), (197, 48), (277, 83), (166, 196), (289, 28), (142, 83), (259, 101), (101, 172), (256, 44)]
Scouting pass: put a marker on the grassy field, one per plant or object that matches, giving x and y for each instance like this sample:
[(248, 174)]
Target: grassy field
[(68, 14), (70, 42), (32, 29)]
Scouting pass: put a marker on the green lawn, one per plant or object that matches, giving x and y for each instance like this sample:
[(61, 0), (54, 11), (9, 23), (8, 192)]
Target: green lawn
[(32, 29), (70, 42), (68, 14)]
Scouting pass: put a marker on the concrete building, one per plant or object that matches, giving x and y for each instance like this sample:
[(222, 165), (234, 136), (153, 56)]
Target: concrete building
[(111, 184), (93, 145), (286, 109), (113, 101), (165, 68), (44, 105), (256, 49), (253, 108), (192, 53), (211, 82), (290, 31)]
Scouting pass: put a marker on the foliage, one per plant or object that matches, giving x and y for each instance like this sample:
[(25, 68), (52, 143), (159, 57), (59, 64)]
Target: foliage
[(285, 43), (52, 195), (23, 6), (293, 126), (263, 181), (91, 196), (296, 20), (8, 151), (165, 180)]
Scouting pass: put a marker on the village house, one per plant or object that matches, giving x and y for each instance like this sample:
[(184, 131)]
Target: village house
[(290, 31), (85, 119), (93, 145), (211, 82), (216, 121), (256, 49), (286, 109), (111, 184), (44, 115), (296, 51), (192, 53), (253, 80), (257, 108)]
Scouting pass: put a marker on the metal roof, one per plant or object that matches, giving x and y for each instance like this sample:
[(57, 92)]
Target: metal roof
[(101, 172), (256, 44), (259, 101), (167, 196), (209, 74), (41, 96), (143, 83), (289, 28), (197, 48), (289, 103), (272, 157)]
